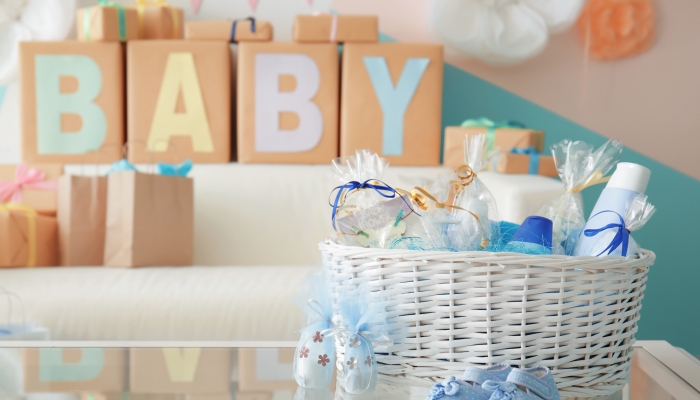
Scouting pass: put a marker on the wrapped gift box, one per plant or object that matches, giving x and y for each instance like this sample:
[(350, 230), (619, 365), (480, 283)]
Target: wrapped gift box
[(107, 24), (27, 239), (505, 139), (72, 101), (34, 185), (159, 21), (287, 103), (180, 370), (179, 101), (74, 370), (326, 28), (223, 30), (513, 163), (399, 121)]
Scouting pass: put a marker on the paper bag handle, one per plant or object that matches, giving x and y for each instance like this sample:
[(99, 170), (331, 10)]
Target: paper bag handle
[(9, 295)]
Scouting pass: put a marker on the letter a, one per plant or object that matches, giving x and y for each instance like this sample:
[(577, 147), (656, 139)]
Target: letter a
[(182, 363), (270, 102), (51, 103), (180, 74), (394, 100)]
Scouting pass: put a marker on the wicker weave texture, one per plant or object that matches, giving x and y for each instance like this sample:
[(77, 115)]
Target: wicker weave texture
[(575, 315)]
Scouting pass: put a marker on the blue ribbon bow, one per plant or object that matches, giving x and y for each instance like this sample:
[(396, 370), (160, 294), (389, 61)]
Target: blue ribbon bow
[(622, 236), (121, 165), (448, 387), (233, 27), (181, 169), (380, 187), (501, 390), (534, 157)]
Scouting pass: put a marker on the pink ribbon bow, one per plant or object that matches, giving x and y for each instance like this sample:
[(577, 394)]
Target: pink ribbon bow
[(25, 178)]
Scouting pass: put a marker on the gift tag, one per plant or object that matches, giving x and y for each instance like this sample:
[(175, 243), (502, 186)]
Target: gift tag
[(360, 366), (314, 360)]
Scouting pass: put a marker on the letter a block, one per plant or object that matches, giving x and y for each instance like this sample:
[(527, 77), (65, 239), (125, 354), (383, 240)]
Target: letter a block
[(287, 104), (74, 370), (72, 101), (180, 370), (179, 101), (392, 101)]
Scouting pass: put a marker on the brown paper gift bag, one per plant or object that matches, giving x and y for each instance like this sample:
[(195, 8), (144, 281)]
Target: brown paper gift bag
[(150, 220), (391, 101), (224, 30), (33, 185), (107, 24), (82, 210), (72, 100), (158, 20), (287, 102), (26, 238), (179, 95), (180, 370), (324, 28), (505, 139)]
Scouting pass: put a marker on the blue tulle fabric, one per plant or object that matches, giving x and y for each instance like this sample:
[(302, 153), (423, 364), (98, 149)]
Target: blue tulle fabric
[(497, 244), (362, 311)]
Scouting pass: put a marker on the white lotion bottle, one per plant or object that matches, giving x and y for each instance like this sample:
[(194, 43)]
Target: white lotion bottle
[(626, 182)]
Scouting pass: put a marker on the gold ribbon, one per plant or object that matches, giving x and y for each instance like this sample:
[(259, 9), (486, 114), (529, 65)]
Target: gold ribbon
[(140, 8), (31, 228), (466, 176), (595, 179)]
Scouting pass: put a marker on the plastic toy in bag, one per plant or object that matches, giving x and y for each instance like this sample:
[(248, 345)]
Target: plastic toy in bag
[(314, 358), (615, 238), (479, 225), (579, 166)]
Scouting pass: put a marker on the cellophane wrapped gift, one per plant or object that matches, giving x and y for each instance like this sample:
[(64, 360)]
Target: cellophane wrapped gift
[(616, 239), (480, 223), (366, 211), (579, 166)]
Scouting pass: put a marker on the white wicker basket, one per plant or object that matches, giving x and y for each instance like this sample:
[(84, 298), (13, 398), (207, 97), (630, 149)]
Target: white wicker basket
[(575, 315)]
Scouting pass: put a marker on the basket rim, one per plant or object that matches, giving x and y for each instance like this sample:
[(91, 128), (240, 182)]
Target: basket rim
[(645, 258)]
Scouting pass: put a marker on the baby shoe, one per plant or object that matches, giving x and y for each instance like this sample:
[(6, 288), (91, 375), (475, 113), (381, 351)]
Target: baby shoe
[(525, 384), (469, 388)]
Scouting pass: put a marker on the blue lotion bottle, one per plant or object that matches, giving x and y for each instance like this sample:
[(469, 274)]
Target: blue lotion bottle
[(626, 182)]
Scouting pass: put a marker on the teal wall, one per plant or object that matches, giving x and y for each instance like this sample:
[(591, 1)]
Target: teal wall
[(669, 310)]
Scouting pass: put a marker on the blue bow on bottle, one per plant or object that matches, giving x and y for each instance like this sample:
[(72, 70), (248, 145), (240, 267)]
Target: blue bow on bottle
[(501, 390), (378, 186), (448, 387), (622, 236), (181, 169)]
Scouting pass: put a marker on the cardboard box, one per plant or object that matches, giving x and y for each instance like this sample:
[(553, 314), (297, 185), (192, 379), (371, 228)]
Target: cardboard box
[(505, 139), (72, 97), (107, 24), (399, 121), (266, 369), (23, 233), (75, 370), (132, 396), (326, 28), (510, 163), (159, 21), (222, 30), (179, 101), (176, 370), (39, 188), (287, 103), (254, 395), (150, 220)]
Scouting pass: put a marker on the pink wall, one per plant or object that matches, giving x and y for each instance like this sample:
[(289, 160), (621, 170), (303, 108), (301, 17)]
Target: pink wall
[(650, 102)]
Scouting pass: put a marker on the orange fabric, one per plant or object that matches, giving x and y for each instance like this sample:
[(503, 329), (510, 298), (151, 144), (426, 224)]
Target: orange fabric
[(614, 29)]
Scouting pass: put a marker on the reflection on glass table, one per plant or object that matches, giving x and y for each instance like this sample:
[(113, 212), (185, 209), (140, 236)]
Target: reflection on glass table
[(249, 371)]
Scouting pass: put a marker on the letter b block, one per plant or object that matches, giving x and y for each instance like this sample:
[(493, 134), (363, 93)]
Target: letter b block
[(72, 101), (392, 101), (287, 110)]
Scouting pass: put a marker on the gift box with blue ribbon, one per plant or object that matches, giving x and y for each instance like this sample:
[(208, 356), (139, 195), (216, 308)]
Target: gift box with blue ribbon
[(523, 161)]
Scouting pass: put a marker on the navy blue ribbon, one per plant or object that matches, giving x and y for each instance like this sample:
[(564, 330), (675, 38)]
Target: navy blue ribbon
[(378, 186), (534, 157), (622, 236), (235, 22)]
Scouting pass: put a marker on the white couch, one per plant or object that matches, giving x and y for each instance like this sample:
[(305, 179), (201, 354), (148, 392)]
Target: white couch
[(256, 233)]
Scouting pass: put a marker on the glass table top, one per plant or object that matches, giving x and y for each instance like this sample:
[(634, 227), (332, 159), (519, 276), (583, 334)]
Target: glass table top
[(249, 371)]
